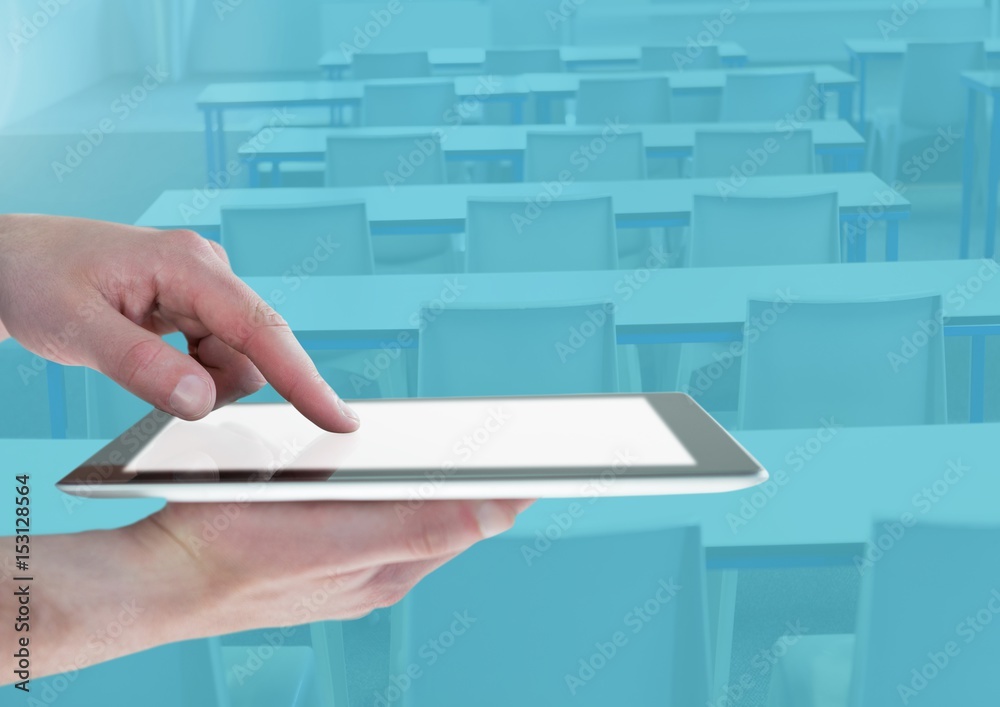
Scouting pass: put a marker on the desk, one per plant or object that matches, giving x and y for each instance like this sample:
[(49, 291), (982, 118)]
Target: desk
[(988, 84), (860, 476), (551, 87), (709, 304), (822, 513), (217, 98), (861, 51), (576, 58), (507, 142), (442, 208)]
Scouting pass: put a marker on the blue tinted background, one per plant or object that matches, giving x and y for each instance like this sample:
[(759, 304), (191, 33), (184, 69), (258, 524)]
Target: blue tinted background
[(784, 209)]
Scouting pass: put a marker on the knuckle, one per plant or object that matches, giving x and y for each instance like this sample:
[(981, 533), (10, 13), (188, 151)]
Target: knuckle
[(191, 244), (136, 361), (260, 317)]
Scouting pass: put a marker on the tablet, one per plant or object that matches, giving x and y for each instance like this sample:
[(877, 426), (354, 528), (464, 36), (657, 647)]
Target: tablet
[(427, 448)]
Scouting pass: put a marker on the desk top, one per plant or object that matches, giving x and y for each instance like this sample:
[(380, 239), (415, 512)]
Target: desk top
[(895, 47), (826, 488), (270, 93), (983, 80), (445, 205), (476, 56), (310, 143), (688, 80), (668, 300)]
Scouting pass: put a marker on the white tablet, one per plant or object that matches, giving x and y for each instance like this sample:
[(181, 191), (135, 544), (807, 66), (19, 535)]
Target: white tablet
[(427, 448)]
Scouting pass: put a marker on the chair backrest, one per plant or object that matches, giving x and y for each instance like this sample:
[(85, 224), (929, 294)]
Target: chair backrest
[(679, 57), (385, 160), (631, 101), (512, 62), (860, 363), (390, 65), (717, 153), (923, 619), (565, 234), (421, 103), (587, 619), (932, 93), (765, 230), (590, 156), (319, 239), (25, 410), (540, 350), (768, 97)]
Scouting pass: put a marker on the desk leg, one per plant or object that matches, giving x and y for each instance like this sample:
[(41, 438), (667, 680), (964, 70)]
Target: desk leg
[(276, 174), (518, 167), (845, 102), (892, 240), (328, 645), (543, 107), (862, 90), (725, 623), (991, 183), (253, 172), (55, 375), (968, 172), (517, 111), (209, 142), (220, 141), (977, 380)]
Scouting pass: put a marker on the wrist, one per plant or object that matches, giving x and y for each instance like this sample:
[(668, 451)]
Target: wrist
[(100, 595)]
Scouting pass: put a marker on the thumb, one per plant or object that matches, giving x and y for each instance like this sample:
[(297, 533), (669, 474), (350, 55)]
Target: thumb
[(145, 365)]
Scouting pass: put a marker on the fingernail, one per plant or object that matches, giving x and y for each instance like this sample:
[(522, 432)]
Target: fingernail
[(346, 409), (493, 518), (192, 397)]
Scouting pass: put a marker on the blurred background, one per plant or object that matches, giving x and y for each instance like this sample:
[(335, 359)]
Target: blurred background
[(784, 208)]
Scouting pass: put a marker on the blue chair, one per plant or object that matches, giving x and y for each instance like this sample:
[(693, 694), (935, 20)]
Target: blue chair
[(741, 231), (314, 239), (597, 617), (526, 350), (932, 99), (632, 101), (302, 241), (767, 96), (568, 234), (590, 155), (935, 585), (25, 411), (390, 65), (738, 231), (199, 673), (402, 104), (677, 57), (415, 158), (514, 62), (721, 153), (846, 361)]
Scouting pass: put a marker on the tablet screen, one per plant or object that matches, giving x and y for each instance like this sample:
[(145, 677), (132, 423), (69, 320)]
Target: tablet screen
[(478, 433)]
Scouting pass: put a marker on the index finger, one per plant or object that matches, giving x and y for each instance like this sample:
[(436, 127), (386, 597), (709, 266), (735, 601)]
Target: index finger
[(233, 312)]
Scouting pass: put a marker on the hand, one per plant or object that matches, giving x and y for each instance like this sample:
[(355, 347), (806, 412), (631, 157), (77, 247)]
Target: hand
[(173, 577), (82, 292)]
